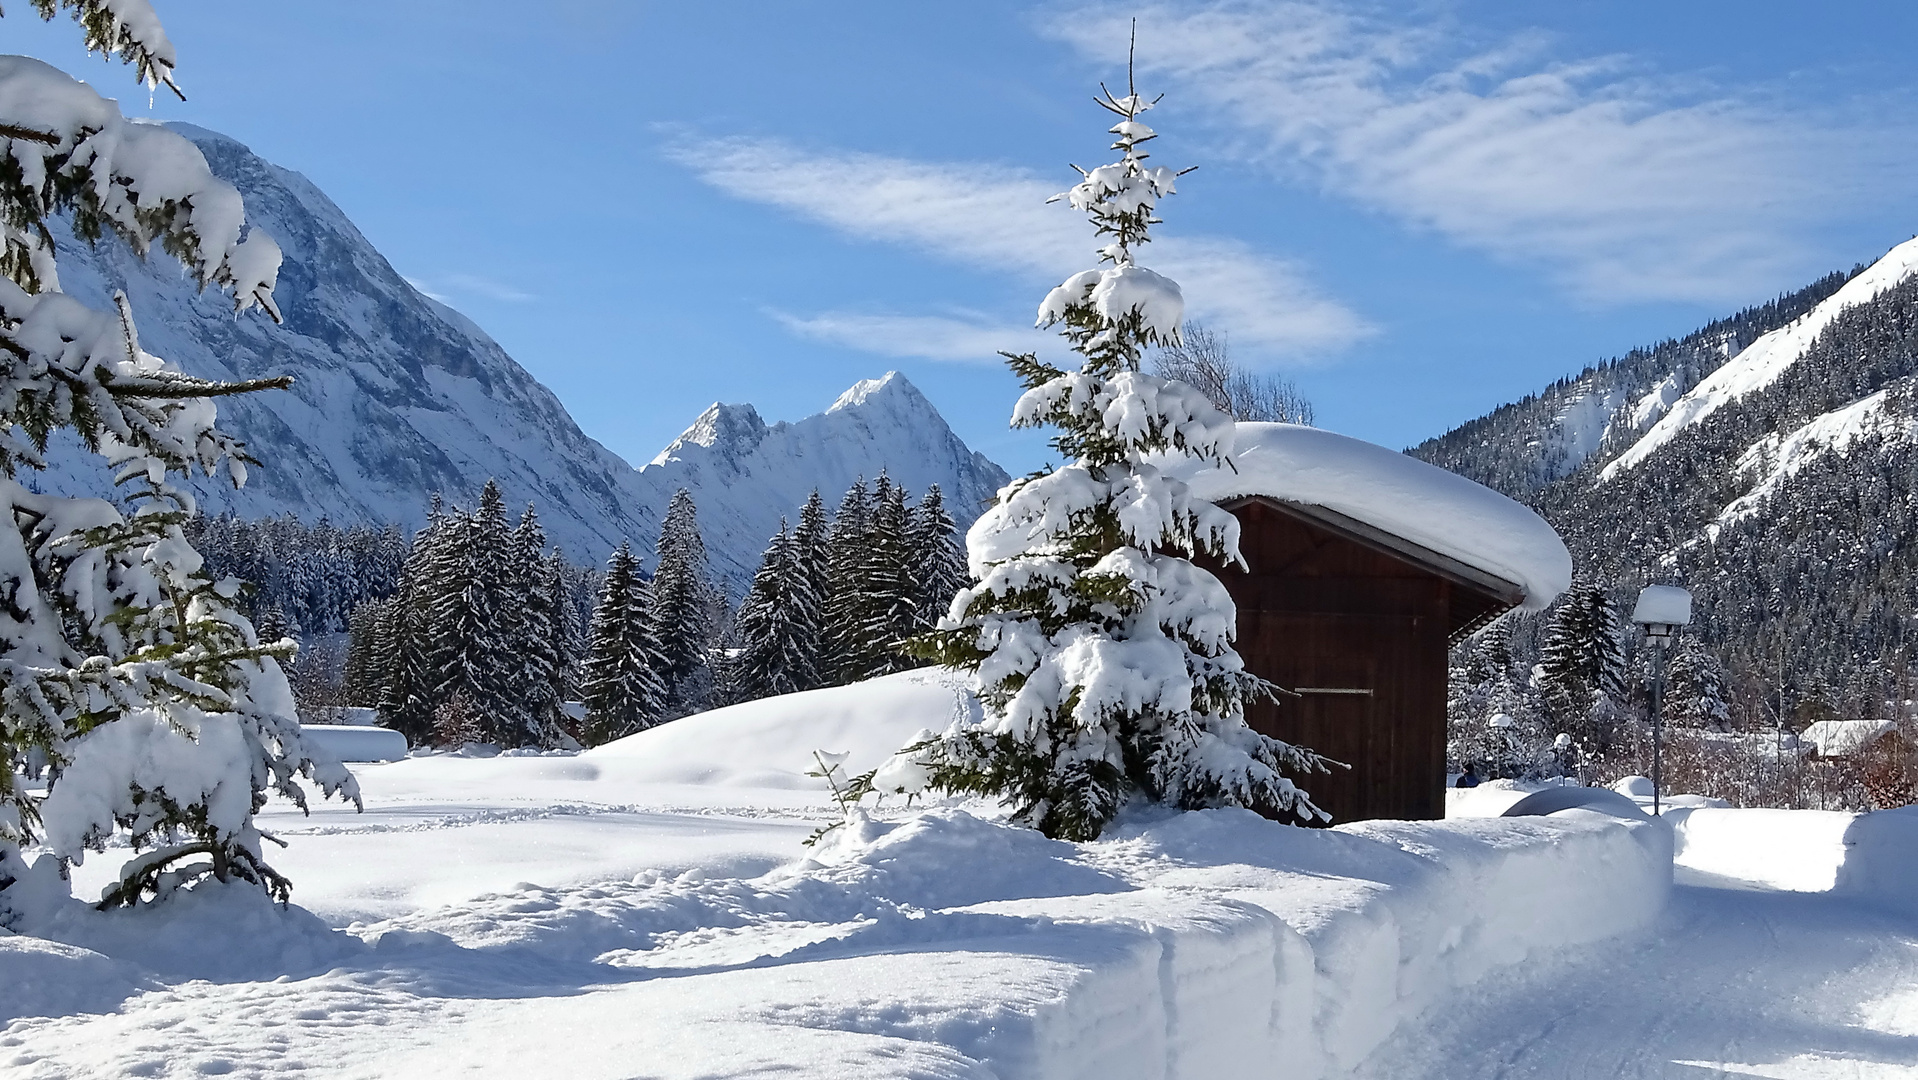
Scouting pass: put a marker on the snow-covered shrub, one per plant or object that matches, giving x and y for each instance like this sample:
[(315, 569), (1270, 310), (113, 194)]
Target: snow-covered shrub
[(125, 670), (1103, 655)]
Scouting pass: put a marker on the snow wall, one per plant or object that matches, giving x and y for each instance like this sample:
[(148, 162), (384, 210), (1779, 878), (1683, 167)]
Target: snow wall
[(1211, 945), (1872, 858), (1881, 860)]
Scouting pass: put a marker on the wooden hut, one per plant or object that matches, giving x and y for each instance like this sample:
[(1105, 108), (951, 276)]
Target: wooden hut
[(1363, 566)]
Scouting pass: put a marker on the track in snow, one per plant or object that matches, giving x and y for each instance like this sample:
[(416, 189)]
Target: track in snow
[(1727, 984)]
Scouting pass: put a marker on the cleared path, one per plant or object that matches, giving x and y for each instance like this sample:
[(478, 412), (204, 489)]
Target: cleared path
[(1729, 983)]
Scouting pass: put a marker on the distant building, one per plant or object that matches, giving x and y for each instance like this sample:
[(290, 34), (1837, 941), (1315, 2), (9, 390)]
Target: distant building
[(1852, 738)]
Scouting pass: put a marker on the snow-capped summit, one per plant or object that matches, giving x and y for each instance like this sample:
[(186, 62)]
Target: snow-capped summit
[(746, 475), (731, 428)]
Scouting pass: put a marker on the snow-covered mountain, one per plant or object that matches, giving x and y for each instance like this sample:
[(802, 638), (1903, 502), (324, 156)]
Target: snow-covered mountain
[(1769, 462), (746, 475), (1759, 364), (397, 396)]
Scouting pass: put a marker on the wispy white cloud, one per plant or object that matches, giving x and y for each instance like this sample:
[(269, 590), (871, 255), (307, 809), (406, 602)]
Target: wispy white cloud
[(444, 286), (967, 338), (427, 290), (1623, 185), (487, 287), (996, 217)]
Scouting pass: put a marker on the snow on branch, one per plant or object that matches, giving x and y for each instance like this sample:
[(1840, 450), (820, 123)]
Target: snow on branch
[(125, 28), (67, 149)]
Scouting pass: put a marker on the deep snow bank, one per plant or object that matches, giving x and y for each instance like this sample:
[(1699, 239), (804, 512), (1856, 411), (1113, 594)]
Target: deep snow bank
[(1870, 857), (1204, 945)]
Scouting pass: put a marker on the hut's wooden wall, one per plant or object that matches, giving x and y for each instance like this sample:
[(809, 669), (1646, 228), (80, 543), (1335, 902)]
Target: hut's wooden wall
[(1321, 611)]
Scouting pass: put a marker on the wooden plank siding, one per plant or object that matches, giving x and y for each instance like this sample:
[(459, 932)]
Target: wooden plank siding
[(1359, 625)]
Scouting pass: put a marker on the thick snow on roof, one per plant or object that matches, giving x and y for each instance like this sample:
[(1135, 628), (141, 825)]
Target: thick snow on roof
[(1842, 738), (1398, 494)]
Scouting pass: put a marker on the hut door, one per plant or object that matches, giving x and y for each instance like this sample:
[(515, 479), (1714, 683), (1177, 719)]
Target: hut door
[(1331, 665)]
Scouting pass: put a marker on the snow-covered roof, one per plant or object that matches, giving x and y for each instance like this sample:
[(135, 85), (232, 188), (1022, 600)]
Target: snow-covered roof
[(1396, 494), (1841, 738)]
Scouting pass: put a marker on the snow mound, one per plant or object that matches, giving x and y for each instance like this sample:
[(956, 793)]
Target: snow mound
[(257, 938), (1554, 799), (769, 743), (356, 742), (1783, 850), (1397, 494), (1881, 860), (47, 978), (1763, 361)]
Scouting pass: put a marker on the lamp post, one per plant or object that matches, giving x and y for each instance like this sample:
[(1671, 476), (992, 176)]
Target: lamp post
[(1661, 610)]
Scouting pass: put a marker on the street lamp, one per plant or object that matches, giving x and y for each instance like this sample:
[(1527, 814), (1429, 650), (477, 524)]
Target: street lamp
[(1661, 610)]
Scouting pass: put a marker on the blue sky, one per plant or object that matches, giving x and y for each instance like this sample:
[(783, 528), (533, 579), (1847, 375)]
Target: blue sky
[(1418, 211)]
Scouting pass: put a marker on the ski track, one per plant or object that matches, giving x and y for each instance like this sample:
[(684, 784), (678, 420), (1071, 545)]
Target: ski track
[(1728, 984), (541, 813)]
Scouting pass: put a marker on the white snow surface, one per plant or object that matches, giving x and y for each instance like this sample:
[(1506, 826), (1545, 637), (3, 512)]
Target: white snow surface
[(356, 742), (1759, 364), (1667, 604), (1398, 494), (485, 914)]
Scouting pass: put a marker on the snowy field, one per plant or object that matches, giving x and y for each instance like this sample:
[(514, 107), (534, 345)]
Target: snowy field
[(648, 909)]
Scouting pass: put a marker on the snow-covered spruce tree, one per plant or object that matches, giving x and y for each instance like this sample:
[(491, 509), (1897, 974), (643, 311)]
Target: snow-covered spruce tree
[(482, 638), (406, 696), (122, 663), (569, 625), (841, 559), (774, 627), (367, 664), (621, 689), (1694, 693), (938, 563), (1583, 667), (1103, 655), (886, 598), (681, 607), (533, 654), (809, 562)]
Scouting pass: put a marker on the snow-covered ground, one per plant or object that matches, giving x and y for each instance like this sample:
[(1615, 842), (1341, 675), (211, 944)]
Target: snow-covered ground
[(648, 909)]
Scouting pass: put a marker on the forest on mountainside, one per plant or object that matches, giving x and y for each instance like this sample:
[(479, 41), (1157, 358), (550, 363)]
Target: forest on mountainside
[(1788, 513)]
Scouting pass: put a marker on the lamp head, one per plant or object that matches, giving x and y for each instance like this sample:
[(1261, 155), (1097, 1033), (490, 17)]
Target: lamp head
[(1662, 610)]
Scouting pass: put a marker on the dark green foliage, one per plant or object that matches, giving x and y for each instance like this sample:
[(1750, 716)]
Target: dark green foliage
[(682, 608), (777, 627), (842, 655), (938, 563), (481, 613), (622, 688)]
